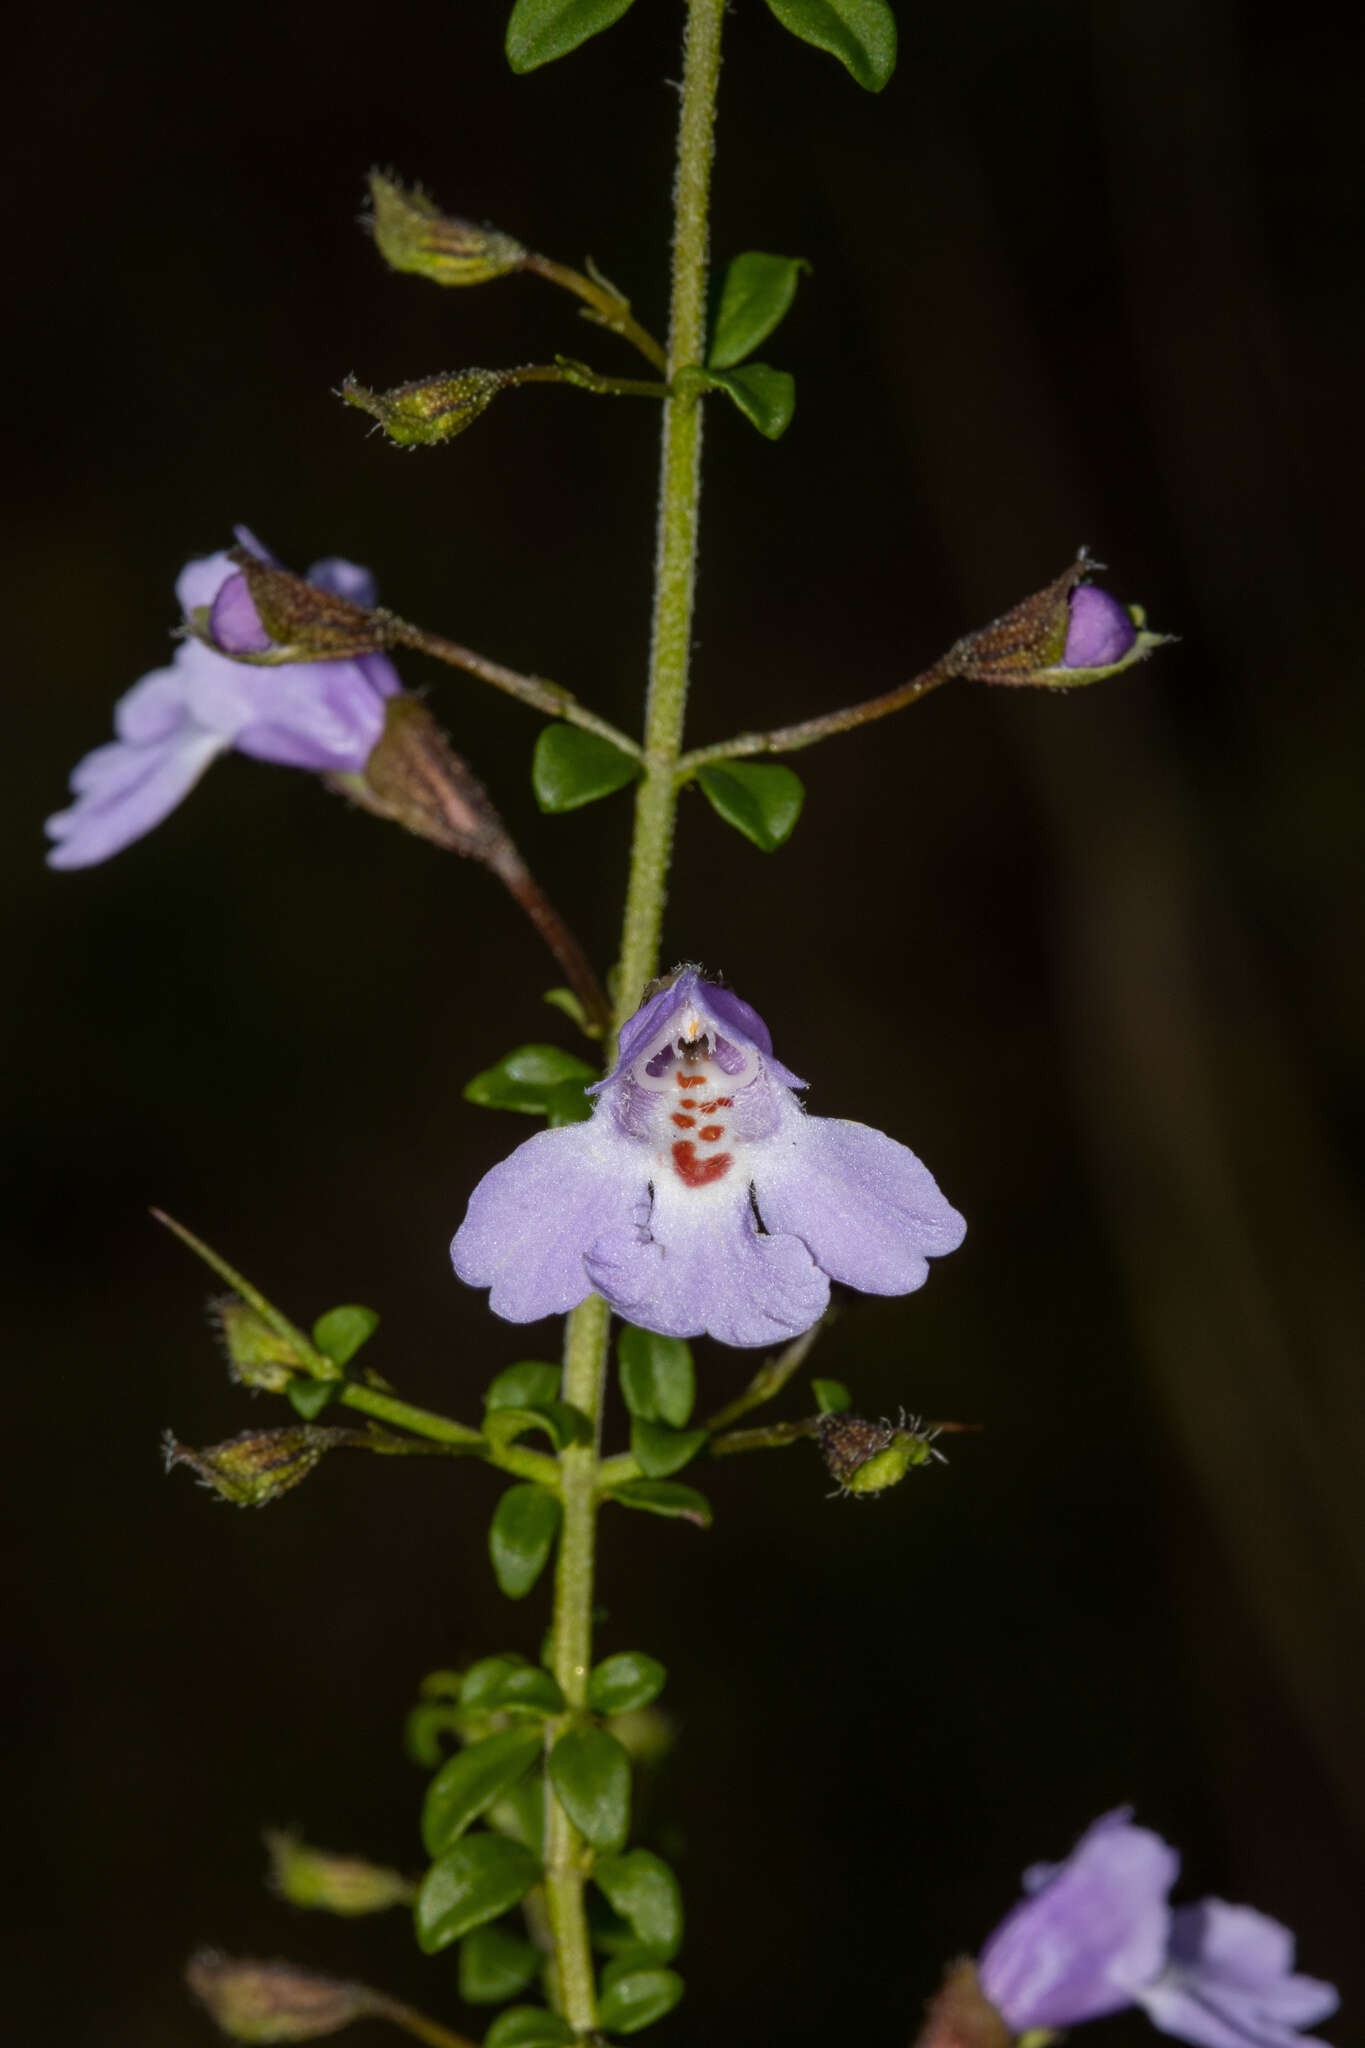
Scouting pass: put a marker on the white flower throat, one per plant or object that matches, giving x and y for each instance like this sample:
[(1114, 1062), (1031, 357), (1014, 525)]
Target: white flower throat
[(695, 1075)]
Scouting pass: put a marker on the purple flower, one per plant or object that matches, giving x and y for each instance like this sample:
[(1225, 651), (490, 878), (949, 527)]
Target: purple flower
[(1090, 1932), (1097, 1933), (1100, 630), (1229, 1982), (699, 1196), (322, 715)]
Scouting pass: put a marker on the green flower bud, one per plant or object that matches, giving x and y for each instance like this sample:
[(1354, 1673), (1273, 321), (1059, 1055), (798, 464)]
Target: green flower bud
[(257, 1356), (332, 1884), (411, 233), (430, 410), (268, 2002), (868, 1457), (260, 1464)]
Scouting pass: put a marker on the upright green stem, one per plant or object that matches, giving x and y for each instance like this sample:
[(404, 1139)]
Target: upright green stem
[(567, 1858)]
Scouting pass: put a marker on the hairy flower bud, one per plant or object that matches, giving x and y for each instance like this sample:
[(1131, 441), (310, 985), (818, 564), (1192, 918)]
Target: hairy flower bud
[(869, 1457), (332, 1884), (1070, 632), (411, 233), (415, 777), (269, 2002), (258, 1466), (257, 1356), (431, 409), (270, 610)]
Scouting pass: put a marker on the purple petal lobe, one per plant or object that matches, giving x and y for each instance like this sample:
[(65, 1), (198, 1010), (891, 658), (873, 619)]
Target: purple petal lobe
[(1086, 1940), (123, 792), (200, 581), (532, 1218), (344, 579), (699, 1267), (1230, 1982), (234, 622), (1100, 631), (868, 1211)]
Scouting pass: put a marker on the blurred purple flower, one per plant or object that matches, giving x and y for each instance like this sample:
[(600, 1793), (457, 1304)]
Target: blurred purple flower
[(1097, 1933), (1229, 1982), (1100, 632), (321, 715), (700, 1197)]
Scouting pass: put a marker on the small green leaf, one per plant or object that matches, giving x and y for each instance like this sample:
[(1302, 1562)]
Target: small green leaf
[(561, 1422), (528, 2026), (466, 1786), (831, 1397), (476, 1881), (540, 30), (526, 1079), (564, 1000), (664, 1497), (634, 1997), (341, 1332), (660, 1451), (567, 1104), (762, 803), (309, 1397), (590, 1772), (658, 1380), (524, 1385), (766, 397), (423, 1729), (527, 1688), (756, 295), (860, 33), (521, 1536), (483, 1679), (645, 1892), (520, 1813), (625, 1681), (571, 767), (495, 1964)]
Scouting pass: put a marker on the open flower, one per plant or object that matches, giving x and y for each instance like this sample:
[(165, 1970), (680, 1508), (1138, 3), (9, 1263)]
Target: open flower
[(322, 715), (700, 1197), (1097, 1933)]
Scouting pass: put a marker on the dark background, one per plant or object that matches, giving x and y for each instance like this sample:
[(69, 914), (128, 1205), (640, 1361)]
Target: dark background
[(1080, 274)]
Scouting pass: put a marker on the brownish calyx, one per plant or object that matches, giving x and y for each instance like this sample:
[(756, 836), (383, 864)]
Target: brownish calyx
[(415, 777), (960, 2015), (1031, 637), (308, 623)]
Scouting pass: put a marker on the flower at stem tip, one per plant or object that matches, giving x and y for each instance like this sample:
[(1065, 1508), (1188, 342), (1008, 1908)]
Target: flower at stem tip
[(1071, 632), (322, 715), (1096, 1933), (700, 1197)]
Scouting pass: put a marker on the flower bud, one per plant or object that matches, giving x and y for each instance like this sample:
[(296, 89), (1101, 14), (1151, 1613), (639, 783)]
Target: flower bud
[(411, 233), (267, 610), (258, 1466), (961, 2016), (267, 2002), (257, 1356), (869, 1457), (332, 1884), (430, 410), (1071, 632), (415, 777)]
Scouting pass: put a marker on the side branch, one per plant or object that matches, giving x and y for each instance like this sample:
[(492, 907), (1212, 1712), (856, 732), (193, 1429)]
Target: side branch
[(788, 739), (537, 691)]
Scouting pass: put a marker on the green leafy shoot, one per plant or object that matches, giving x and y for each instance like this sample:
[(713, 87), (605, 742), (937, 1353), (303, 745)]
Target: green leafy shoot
[(766, 397), (541, 30), (571, 767), (530, 1080), (860, 33), (478, 1880), (763, 803), (756, 295)]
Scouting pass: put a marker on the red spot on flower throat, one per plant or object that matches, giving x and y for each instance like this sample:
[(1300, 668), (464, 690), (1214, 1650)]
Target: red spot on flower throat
[(699, 1173)]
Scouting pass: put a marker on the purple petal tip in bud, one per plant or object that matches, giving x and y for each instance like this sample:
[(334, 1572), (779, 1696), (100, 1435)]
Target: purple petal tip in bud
[(234, 622), (1100, 632)]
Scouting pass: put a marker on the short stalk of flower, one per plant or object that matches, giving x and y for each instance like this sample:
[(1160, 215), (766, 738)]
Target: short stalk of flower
[(772, 1376), (606, 306), (537, 691)]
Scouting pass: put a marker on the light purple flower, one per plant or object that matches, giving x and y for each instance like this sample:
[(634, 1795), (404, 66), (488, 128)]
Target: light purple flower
[(1229, 1982), (700, 1197), (1097, 1933), (1090, 1932), (321, 715), (1100, 630)]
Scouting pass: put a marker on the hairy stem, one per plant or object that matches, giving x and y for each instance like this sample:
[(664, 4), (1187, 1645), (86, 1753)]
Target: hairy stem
[(788, 739), (537, 691), (675, 576), (608, 308)]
